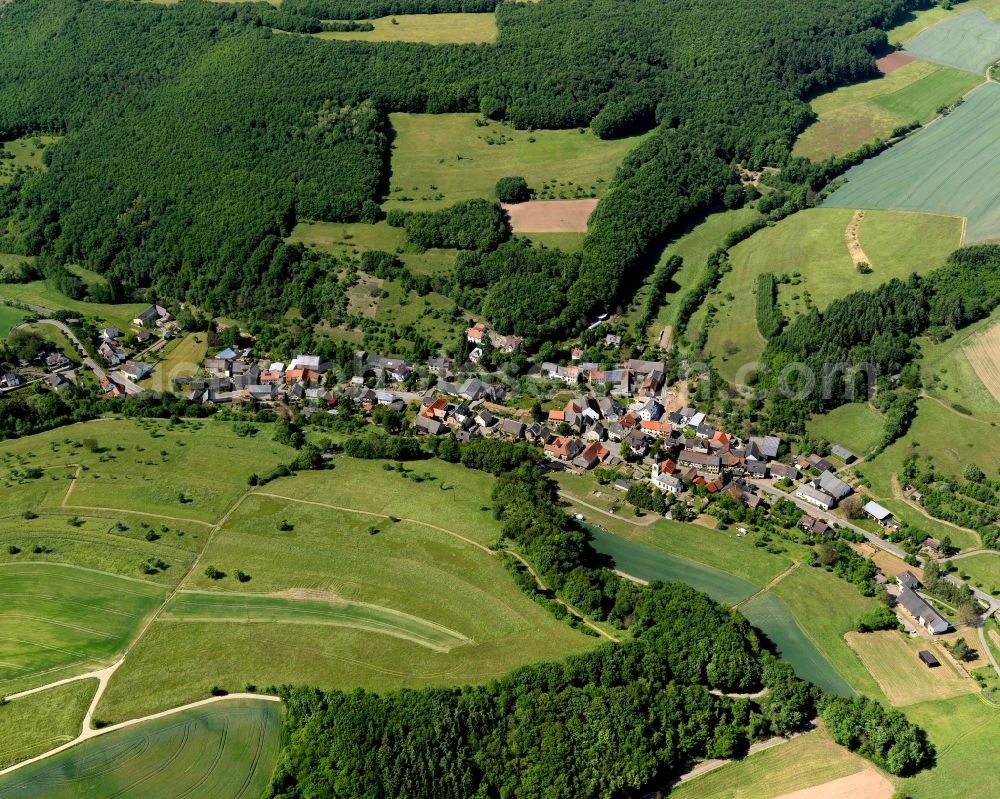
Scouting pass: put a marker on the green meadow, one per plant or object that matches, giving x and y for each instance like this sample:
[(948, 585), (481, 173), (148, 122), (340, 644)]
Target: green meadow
[(425, 28), (10, 318), (857, 426), (969, 41), (227, 750), (34, 724), (440, 159), (56, 621), (810, 247), (27, 153)]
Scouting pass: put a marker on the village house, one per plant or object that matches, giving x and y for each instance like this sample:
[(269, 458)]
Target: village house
[(763, 448), (428, 425), (563, 449), (591, 455), (477, 333), (153, 316), (135, 371), (56, 360), (820, 464), (832, 485), (923, 613), (814, 526), (700, 461), (111, 353), (815, 496), (108, 333), (512, 428)]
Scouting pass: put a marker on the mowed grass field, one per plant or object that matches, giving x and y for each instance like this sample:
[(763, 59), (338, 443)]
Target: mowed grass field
[(56, 621), (983, 569), (41, 294), (964, 731), (856, 426), (145, 466), (261, 609), (957, 370), (10, 318), (952, 167), (849, 116), (969, 40), (803, 762), (440, 159), (812, 245), (34, 724), (224, 750), (426, 28), (982, 351), (891, 657), (694, 247), (952, 438), (182, 357)]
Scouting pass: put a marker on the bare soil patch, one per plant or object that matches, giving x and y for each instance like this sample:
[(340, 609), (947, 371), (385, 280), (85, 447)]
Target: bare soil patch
[(983, 352), (893, 61), (866, 784), (664, 341), (853, 244), (550, 216)]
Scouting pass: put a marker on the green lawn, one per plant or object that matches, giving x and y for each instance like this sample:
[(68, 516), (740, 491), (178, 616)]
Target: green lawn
[(961, 152), (856, 426), (34, 724), (812, 245), (849, 116), (56, 621), (426, 28), (961, 538), (803, 762), (951, 438), (40, 293), (964, 732), (439, 159), (769, 614), (144, 466), (10, 318), (224, 751), (181, 357), (983, 569), (650, 563)]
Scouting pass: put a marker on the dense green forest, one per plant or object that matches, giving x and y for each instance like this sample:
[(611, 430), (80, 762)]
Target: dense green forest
[(196, 137), (823, 359)]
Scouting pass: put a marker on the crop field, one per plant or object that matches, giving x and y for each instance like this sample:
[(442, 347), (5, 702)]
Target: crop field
[(891, 658), (856, 426), (969, 41), (648, 563), (34, 724), (811, 248), (59, 620), (951, 168), (10, 318), (153, 467), (964, 732), (769, 614), (851, 115), (426, 28), (440, 159), (983, 352), (825, 606), (224, 750), (805, 761), (956, 370), (914, 22), (263, 609)]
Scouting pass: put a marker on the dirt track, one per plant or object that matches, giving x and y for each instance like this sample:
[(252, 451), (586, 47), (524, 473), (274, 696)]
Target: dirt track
[(550, 216), (853, 244)]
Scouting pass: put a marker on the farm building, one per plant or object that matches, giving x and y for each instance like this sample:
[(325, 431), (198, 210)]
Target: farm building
[(815, 496), (925, 615), (908, 580), (928, 659), (882, 515), (843, 453)]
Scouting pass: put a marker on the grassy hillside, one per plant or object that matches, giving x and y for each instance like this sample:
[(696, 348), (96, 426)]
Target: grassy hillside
[(34, 724), (426, 28)]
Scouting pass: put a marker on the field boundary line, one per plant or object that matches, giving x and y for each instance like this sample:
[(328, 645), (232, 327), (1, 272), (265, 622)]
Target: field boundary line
[(88, 734), (376, 515), (773, 582), (81, 568)]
